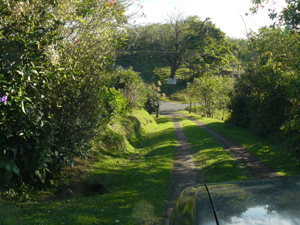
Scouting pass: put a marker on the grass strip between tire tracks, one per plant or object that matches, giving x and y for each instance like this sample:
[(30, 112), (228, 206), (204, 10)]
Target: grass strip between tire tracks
[(212, 162)]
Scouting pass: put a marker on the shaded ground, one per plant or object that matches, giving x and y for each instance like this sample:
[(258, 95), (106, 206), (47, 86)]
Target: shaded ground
[(183, 174)]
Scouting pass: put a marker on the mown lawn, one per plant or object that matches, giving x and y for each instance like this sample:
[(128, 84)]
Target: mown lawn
[(285, 162), (212, 162), (138, 189)]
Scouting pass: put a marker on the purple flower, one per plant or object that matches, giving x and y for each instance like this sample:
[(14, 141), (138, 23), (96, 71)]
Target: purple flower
[(41, 31), (13, 34), (3, 99), (14, 7)]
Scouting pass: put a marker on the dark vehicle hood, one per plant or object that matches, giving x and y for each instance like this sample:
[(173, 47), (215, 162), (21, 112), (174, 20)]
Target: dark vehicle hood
[(240, 203)]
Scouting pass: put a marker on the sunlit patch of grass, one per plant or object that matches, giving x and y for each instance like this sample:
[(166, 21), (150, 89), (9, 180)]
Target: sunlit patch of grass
[(138, 188), (287, 163), (218, 114), (212, 162)]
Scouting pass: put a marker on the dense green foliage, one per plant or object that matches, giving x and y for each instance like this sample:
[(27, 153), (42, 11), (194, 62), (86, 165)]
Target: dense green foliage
[(153, 101), (212, 92), (28, 78), (131, 86), (266, 97), (268, 90), (138, 184), (56, 84)]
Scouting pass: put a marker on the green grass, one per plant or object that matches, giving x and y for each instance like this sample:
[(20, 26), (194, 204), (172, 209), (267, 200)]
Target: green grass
[(138, 179), (212, 162), (139, 187), (287, 163), (218, 114)]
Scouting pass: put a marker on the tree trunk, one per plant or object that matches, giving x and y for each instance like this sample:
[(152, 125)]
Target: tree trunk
[(173, 71)]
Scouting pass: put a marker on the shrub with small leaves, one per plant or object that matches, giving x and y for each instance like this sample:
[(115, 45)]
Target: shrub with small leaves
[(153, 101), (26, 127), (131, 86)]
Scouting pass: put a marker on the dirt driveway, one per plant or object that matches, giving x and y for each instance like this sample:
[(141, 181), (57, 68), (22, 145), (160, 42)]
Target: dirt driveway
[(183, 171)]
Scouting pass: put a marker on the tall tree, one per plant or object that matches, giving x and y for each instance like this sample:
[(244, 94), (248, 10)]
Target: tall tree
[(171, 40), (181, 40), (188, 39), (207, 44)]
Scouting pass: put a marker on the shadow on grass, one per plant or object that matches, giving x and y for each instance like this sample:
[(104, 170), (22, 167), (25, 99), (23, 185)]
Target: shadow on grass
[(139, 188)]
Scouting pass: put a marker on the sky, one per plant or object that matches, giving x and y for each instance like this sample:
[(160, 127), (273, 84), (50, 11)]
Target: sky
[(225, 14)]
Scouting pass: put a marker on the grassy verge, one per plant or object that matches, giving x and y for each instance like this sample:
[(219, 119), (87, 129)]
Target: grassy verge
[(138, 188), (218, 114), (212, 162), (287, 163)]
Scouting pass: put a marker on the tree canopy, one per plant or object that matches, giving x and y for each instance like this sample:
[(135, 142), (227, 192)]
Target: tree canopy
[(181, 40)]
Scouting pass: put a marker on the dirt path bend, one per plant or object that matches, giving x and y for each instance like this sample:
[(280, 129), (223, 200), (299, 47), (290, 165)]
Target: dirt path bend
[(183, 170)]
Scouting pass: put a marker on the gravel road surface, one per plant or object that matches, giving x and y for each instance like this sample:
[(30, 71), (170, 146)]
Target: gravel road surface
[(171, 106)]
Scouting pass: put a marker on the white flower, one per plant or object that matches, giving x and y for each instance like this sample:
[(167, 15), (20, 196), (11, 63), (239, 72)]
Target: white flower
[(117, 221)]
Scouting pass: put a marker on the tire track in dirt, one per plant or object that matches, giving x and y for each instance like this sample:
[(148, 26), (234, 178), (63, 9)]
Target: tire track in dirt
[(183, 169)]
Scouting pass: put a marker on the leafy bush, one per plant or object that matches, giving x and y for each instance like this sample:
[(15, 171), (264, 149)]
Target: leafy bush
[(239, 115), (131, 86), (52, 105), (27, 128), (212, 92), (113, 104), (153, 101)]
